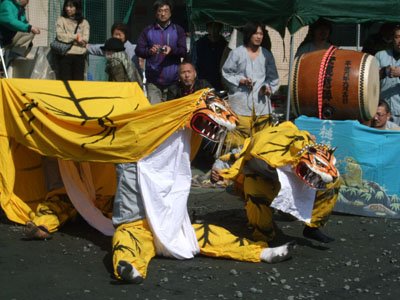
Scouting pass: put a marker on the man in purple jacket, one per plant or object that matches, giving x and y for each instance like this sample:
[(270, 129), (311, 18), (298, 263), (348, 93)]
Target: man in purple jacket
[(163, 45)]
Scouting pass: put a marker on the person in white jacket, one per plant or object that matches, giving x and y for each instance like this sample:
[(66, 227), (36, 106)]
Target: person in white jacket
[(251, 77)]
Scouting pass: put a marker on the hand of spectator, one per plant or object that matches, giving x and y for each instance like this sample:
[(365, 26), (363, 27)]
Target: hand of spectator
[(80, 40), (394, 71), (167, 50), (155, 49), (35, 30), (246, 82), (265, 90)]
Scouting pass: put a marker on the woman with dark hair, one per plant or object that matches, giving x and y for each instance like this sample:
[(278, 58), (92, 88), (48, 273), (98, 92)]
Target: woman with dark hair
[(72, 27), (119, 31), (317, 37), (251, 28), (251, 77)]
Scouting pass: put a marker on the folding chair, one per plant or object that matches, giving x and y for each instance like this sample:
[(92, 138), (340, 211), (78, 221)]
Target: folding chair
[(3, 62)]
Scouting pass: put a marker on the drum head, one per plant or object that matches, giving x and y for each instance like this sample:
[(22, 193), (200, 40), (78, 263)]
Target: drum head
[(293, 86), (369, 87)]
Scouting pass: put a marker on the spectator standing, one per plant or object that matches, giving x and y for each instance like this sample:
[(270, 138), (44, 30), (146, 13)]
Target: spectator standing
[(207, 54), (73, 28), (163, 45), (188, 82), (16, 34), (119, 67), (236, 39), (251, 76), (121, 32), (381, 40), (317, 37), (389, 63)]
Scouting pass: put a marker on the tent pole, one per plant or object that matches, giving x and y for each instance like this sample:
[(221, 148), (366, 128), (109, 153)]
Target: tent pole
[(291, 58), (358, 37), (110, 15)]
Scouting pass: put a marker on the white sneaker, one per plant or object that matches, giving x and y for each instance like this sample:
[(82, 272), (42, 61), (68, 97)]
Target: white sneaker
[(277, 254)]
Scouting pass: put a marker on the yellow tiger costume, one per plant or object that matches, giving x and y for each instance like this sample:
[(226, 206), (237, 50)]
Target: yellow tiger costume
[(138, 239), (101, 122), (276, 147), (134, 243)]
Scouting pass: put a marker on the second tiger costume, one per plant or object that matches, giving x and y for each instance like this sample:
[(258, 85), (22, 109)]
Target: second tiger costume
[(279, 152)]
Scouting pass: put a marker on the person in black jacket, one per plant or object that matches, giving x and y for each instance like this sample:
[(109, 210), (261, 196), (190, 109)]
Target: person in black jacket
[(188, 82), (207, 54)]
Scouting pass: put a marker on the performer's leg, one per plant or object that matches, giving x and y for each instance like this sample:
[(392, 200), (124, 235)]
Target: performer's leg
[(235, 138), (133, 248), (323, 206), (260, 122), (154, 94), (259, 194), (247, 126), (216, 241), (50, 215)]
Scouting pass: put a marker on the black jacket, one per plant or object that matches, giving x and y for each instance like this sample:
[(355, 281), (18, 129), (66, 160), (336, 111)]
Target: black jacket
[(178, 90)]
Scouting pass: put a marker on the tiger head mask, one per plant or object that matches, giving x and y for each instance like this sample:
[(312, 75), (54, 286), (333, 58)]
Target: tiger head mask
[(213, 117), (316, 166)]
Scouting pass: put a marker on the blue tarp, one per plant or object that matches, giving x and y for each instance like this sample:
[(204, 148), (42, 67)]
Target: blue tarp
[(368, 160)]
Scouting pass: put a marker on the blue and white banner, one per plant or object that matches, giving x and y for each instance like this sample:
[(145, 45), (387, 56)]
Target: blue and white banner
[(369, 163)]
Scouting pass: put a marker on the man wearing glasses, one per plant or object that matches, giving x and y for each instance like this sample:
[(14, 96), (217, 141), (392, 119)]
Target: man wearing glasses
[(382, 117), (163, 45)]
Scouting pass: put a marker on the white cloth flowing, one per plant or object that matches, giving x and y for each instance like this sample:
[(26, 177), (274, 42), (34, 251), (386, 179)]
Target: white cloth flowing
[(78, 182), (165, 179), (294, 197)]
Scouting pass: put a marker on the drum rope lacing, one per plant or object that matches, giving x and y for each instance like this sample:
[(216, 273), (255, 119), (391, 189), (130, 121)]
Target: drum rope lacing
[(321, 76)]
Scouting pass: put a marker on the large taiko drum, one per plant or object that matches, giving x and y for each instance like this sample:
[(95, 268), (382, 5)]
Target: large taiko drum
[(335, 84)]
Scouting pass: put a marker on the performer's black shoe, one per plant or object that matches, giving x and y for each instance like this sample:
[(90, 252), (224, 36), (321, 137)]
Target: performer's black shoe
[(33, 232), (316, 234), (128, 272)]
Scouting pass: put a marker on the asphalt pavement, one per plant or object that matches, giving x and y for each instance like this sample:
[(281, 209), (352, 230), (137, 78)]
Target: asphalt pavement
[(363, 262)]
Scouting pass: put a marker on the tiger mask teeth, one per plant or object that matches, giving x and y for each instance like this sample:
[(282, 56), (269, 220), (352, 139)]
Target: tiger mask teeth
[(207, 127), (213, 118), (312, 178)]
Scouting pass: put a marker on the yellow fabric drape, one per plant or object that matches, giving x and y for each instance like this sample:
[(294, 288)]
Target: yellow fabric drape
[(82, 121), (89, 121)]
